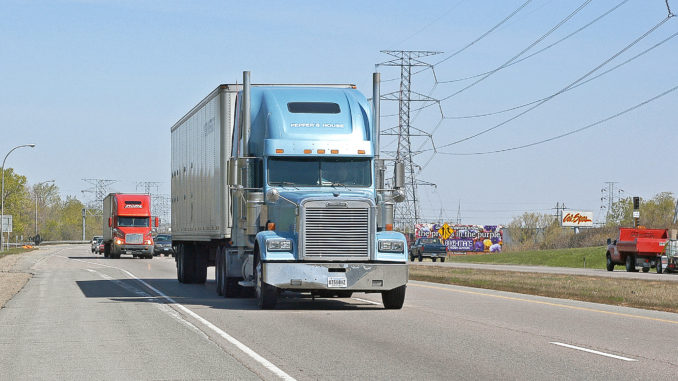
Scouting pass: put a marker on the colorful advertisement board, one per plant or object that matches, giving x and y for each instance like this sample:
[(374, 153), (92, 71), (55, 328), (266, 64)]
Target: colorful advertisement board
[(575, 218), (464, 238)]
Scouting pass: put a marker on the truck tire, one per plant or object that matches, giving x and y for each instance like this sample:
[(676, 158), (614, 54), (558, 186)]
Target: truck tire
[(433, 259), (179, 262), (442, 259), (394, 299), (610, 264), (646, 269), (659, 266), (267, 295), (421, 258), (107, 250), (630, 263), (193, 264)]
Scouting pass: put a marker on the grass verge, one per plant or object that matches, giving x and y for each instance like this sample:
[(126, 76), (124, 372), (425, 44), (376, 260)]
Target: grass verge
[(15, 250), (589, 257), (640, 293)]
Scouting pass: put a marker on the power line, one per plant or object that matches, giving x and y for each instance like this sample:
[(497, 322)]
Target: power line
[(546, 47), (474, 41), (573, 87), (566, 88), (570, 132)]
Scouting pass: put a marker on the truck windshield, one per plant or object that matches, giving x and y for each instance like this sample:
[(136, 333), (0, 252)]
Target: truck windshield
[(133, 221), (313, 172)]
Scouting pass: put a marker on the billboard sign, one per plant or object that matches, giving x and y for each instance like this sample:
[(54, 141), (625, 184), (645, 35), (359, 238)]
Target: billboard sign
[(463, 238), (576, 219)]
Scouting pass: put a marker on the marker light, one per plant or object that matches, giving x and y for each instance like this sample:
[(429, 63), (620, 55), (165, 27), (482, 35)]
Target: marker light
[(270, 226), (279, 150), (361, 151), (307, 151), (321, 151), (389, 227), (335, 151)]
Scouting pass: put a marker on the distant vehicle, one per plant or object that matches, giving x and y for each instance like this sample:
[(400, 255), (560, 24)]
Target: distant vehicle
[(127, 225), (100, 248), (163, 245), (96, 240), (428, 247), (637, 247)]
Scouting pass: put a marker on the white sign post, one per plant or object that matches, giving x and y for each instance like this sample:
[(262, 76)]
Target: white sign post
[(6, 227)]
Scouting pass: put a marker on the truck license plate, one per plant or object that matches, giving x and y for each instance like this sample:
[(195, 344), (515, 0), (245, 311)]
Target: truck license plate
[(336, 282)]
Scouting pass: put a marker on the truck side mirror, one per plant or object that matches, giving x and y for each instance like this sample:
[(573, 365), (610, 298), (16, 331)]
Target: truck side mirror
[(157, 221), (110, 222)]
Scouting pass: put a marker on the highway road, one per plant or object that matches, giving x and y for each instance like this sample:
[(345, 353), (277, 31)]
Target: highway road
[(86, 317)]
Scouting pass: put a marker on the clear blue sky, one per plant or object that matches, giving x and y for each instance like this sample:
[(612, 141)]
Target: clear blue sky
[(97, 85)]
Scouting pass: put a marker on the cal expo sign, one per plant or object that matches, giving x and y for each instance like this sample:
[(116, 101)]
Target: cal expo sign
[(574, 218)]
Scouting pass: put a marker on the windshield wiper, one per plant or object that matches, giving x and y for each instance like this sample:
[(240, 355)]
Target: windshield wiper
[(285, 184)]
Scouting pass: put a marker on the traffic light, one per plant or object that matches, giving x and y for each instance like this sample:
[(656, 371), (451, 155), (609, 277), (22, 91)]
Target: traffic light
[(636, 203)]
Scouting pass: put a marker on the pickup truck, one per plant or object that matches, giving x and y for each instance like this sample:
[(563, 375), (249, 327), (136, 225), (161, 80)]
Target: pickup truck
[(428, 247)]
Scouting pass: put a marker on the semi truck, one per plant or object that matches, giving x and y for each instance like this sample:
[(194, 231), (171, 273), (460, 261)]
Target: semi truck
[(638, 247), (127, 225), (281, 188)]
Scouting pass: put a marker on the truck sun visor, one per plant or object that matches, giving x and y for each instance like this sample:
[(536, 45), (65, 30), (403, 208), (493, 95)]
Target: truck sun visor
[(313, 108)]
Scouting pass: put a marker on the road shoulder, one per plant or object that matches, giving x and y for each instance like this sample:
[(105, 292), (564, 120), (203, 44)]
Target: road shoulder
[(11, 279)]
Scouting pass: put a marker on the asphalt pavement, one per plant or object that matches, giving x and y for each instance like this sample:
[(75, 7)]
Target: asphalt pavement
[(85, 317)]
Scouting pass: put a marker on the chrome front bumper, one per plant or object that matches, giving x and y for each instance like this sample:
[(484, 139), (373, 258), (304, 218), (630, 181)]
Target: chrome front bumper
[(367, 277), (130, 249)]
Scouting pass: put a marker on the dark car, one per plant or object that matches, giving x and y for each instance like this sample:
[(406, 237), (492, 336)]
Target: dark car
[(428, 247), (163, 245)]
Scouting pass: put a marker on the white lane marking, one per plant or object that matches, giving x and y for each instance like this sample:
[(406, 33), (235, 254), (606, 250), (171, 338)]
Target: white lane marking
[(592, 351), (366, 301), (254, 355)]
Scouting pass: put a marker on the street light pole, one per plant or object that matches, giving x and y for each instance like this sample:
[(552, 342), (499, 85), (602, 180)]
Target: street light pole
[(36, 203), (2, 193)]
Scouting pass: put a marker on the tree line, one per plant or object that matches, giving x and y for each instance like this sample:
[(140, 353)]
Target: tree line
[(538, 231), (57, 218)]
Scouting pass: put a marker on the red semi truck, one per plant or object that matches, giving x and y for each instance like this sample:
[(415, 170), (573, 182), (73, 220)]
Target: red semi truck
[(128, 225), (638, 247)]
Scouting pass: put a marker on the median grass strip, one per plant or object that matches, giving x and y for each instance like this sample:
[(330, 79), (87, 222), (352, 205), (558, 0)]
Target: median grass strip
[(656, 295), (589, 257), (15, 250)]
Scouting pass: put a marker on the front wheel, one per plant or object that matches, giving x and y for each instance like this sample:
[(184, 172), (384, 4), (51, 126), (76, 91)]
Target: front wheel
[(421, 258), (394, 299), (433, 259), (610, 264), (442, 259), (267, 295)]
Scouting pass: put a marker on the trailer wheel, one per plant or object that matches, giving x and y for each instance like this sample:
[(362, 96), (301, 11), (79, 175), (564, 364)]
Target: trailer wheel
[(646, 269), (659, 266), (394, 299), (433, 259), (610, 264), (442, 259), (107, 250), (421, 258), (630, 263), (267, 295)]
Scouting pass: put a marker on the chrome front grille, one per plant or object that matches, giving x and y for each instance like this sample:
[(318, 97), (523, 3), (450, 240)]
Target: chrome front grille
[(134, 239), (337, 233)]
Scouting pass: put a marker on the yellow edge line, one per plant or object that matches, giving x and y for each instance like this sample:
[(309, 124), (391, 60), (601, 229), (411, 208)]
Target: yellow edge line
[(546, 303)]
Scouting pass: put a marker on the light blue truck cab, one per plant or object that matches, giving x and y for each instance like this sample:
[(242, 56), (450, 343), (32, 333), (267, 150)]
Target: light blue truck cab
[(311, 153)]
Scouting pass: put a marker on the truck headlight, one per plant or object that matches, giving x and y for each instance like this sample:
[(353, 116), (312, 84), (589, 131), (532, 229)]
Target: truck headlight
[(391, 246), (118, 241), (279, 245)]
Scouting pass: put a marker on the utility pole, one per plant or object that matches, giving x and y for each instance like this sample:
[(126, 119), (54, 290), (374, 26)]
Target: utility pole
[(100, 188), (159, 203), (407, 212)]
